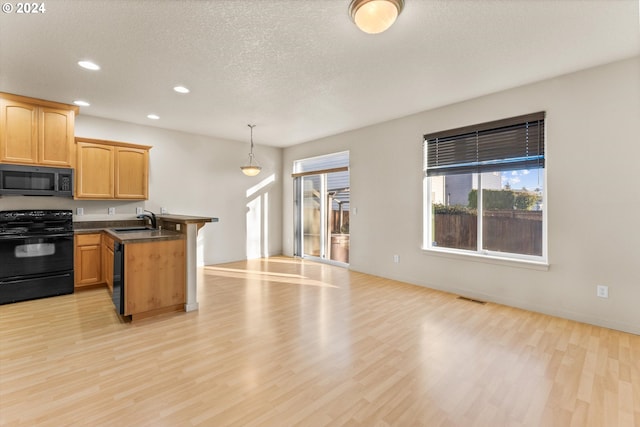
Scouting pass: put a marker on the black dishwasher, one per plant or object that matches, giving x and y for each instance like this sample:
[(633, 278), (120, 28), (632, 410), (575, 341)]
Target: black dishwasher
[(118, 277)]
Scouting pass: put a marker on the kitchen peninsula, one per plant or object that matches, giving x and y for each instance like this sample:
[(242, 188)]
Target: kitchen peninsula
[(189, 226), (158, 266)]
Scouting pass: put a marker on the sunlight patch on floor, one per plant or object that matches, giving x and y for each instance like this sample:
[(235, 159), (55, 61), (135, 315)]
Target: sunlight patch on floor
[(265, 276)]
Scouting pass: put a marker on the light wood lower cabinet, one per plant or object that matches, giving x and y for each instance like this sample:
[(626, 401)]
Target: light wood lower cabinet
[(154, 272), (88, 260), (155, 277), (107, 261)]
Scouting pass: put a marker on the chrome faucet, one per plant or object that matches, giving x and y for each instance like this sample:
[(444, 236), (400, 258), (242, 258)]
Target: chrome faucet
[(152, 218)]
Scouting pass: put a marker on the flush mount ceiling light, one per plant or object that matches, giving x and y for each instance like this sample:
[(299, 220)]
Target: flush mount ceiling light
[(89, 65), (181, 89), (153, 116), (81, 103), (375, 16), (252, 168)]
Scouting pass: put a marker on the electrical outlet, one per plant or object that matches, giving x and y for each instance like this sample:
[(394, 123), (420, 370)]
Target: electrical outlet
[(79, 211), (138, 211), (163, 210), (111, 211), (396, 258), (602, 291)]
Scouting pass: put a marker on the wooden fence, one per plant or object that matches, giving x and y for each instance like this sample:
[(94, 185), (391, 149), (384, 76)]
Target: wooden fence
[(510, 231)]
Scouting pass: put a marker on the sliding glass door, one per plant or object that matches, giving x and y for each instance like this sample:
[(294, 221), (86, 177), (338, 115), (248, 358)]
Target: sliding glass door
[(313, 212), (322, 209)]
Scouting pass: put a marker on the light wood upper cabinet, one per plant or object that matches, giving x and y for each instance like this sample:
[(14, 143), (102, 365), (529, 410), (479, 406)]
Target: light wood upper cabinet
[(94, 171), (55, 144), (34, 131), (132, 173), (19, 137), (111, 170)]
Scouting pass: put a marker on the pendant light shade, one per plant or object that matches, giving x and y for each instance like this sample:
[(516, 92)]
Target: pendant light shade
[(375, 16), (252, 168)]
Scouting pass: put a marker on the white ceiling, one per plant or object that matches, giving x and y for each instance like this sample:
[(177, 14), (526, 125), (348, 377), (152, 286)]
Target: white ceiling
[(298, 69)]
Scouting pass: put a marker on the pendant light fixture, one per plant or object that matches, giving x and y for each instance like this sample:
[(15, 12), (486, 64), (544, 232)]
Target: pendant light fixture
[(252, 168), (375, 16)]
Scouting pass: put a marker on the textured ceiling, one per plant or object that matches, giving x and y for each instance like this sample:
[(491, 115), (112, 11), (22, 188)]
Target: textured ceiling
[(298, 69)]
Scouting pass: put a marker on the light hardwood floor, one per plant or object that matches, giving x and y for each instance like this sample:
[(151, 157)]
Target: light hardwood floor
[(285, 342)]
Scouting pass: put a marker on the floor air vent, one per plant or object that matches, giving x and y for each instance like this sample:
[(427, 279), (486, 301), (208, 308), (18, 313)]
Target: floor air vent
[(477, 301)]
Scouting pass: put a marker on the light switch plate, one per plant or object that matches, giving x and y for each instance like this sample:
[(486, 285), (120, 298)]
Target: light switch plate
[(138, 211), (79, 211)]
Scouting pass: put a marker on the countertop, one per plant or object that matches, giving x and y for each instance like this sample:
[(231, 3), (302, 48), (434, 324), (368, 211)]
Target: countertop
[(162, 233), (186, 219), (135, 236), (144, 235)]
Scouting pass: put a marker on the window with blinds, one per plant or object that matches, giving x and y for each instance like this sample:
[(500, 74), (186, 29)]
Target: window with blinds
[(515, 143), (484, 189)]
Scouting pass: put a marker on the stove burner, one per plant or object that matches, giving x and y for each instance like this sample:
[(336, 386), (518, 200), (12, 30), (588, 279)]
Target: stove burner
[(54, 229), (15, 230), (35, 222)]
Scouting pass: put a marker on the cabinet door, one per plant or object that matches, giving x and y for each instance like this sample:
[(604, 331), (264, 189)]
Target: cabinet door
[(55, 142), (155, 276), (18, 132), (132, 173), (94, 171), (107, 261), (88, 260)]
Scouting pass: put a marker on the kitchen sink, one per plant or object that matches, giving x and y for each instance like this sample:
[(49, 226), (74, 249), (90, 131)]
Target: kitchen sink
[(124, 230)]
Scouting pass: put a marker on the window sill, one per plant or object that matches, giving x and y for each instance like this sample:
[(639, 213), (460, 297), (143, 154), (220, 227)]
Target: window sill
[(488, 259)]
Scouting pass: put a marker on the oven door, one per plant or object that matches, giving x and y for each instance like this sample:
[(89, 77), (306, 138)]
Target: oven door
[(35, 256)]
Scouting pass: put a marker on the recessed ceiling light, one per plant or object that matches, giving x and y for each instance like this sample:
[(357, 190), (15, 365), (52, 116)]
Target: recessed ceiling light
[(181, 89), (153, 116), (81, 103), (89, 65)]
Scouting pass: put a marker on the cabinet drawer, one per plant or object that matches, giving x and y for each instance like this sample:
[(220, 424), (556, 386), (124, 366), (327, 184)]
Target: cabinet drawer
[(108, 242), (87, 239)]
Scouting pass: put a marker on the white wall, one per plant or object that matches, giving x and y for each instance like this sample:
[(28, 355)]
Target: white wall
[(593, 199), (593, 208), (191, 175)]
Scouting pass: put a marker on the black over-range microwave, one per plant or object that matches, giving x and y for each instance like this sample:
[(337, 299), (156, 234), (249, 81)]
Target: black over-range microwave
[(36, 180)]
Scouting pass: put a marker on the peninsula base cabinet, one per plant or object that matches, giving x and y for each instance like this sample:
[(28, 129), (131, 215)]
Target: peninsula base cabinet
[(154, 272), (155, 278)]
